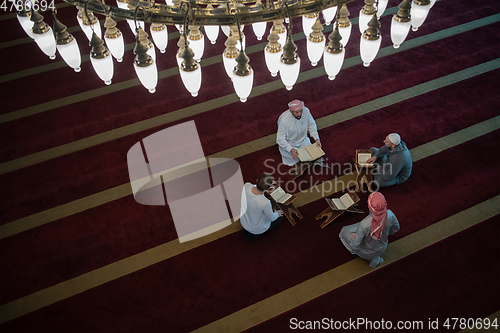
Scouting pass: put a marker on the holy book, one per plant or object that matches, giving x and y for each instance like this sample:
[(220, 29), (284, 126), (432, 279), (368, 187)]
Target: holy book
[(280, 196), (342, 203), (310, 153), (362, 156)]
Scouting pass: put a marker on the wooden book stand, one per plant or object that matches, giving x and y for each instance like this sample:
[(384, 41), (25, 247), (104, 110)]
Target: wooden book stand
[(288, 208), (364, 172), (332, 213)]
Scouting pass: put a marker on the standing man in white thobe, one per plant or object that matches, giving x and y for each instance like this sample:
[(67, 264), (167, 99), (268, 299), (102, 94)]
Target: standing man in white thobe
[(293, 125)]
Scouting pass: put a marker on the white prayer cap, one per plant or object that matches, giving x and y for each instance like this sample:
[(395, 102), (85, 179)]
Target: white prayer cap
[(395, 138)]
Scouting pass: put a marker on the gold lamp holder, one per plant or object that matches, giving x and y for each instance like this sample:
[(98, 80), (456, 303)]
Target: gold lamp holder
[(334, 44), (98, 51), (273, 46), (111, 30), (372, 33), (242, 68), (60, 32), (142, 59), (231, 51), (317, 36), (343, 19), (39, 26), (88, 18), (369, 7), (403, 14)]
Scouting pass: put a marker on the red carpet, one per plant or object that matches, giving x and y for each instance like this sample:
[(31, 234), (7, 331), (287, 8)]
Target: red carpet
[(432, 188)]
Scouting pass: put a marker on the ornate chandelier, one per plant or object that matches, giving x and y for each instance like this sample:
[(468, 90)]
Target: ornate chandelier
[(211, 16)]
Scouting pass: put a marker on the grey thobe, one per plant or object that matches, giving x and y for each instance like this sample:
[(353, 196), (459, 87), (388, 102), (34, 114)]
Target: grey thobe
[(363, 244), (394, 165)]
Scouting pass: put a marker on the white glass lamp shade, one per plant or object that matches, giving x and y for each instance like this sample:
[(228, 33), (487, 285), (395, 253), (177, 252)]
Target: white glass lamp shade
[(47, 43), (88, 30), (198, 47), (399, 31), (346, 34), (273, 62), (418, 15), (369, 49), (160, 38), (243, 86), (307, 24), (212, 32), (289, 74), (104, 68), (333, 63), (116, 46), (121, 5), (169, 2), (229, 64), (259, 29), (192, 80), (148, 76), (71, 54), (363, 21), (27, 25), (329, 14), (315, 51), (382, 5)]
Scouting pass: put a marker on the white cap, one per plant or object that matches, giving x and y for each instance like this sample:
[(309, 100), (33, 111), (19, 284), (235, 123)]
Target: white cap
[(395, 138)]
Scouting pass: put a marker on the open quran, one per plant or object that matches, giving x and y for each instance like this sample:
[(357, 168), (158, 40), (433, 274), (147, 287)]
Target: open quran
[(362, 156), (342, 203), (310, 153), (280, 196)]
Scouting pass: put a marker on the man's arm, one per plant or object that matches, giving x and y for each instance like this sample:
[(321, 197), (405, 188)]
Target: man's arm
[(395, 226), (270, 214), (281, 137), (359, 236), (381, 152), (313, 130), (281, 140)]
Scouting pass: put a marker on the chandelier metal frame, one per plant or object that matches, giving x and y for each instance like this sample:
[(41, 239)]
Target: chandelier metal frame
[(248, 11)]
